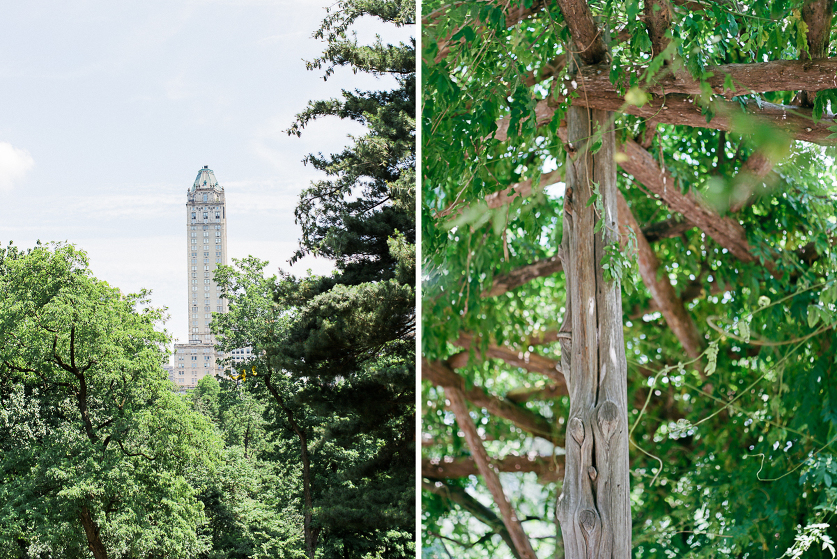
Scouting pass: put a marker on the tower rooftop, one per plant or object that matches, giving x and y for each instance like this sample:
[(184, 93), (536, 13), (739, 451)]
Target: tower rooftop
[(206, 180)]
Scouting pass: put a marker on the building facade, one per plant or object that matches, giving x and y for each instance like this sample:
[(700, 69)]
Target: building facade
[(206, 248)]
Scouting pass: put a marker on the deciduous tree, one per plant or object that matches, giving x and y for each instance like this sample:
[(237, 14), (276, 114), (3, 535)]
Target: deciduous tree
[(682, 150)]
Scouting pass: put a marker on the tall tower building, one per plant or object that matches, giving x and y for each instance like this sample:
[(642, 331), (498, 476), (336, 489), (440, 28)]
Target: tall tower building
[(206, 248)]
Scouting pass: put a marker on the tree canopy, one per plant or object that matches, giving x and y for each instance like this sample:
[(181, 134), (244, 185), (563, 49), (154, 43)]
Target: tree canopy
[(98, 453), (727, 196), (333, 357)]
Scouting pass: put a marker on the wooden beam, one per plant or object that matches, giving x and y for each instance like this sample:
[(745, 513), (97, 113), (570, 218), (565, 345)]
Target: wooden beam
[(657, 21), (797, 122), (504, 283), (547, 468), (524, 394), (776, 75), (532, 362), (726, 231), (681, 109), (439, 373)]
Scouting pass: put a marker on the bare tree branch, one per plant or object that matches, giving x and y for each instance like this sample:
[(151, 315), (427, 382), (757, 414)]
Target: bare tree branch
[(532, 362), (724, 230), (672, 227), (492, 480), (441, 374), (671, 307), (505, 196), (504, 283), (584, 31), (450, 468), (548, 392), (817, 15)]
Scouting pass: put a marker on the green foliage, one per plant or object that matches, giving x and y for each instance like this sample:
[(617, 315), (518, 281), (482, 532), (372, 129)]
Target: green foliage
[(711, 438), (89, 421)]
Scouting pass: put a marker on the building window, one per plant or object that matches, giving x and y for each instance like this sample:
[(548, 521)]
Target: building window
[(218, 260), (205, 254), (206, 281), (194, 330), (220, 309), (204, 196), (205, 215), (193, 215), (194, 288), (217, 241), (217, 233)]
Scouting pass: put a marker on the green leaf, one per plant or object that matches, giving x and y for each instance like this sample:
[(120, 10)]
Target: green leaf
[(813, 316)]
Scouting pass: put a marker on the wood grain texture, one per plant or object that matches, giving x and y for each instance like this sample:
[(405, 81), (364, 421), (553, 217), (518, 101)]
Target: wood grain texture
[(594, 508), (488, 473), (776, 75), (817, 15), (587, 36), (657, 21)]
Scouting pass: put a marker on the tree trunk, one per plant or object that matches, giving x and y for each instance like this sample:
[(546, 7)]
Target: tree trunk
[(594, 507), (91, 530), (310, 533)]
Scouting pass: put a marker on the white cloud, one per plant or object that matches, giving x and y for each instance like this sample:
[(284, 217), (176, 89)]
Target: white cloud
[(14, 164)]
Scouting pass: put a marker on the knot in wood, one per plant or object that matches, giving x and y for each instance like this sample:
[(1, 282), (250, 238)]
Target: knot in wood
[(608, 418), (587, 519), (576, 429), (591, 471)]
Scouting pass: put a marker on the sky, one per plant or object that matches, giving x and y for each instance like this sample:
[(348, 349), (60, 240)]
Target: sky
[(110, 109)]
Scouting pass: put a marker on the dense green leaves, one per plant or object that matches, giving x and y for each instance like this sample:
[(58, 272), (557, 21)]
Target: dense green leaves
[(727, 450), (90, 427)]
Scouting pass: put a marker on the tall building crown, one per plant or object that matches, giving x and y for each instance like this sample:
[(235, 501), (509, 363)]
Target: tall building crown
[(206, 180)]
